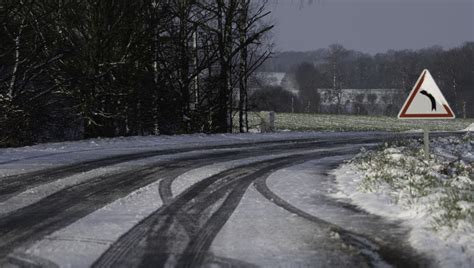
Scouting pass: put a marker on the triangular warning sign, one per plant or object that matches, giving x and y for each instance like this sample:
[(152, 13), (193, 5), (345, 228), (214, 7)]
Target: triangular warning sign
[(426, 101)]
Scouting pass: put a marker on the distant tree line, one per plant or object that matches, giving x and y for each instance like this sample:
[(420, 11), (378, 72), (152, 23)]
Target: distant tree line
[(337, 67), (89, 68)]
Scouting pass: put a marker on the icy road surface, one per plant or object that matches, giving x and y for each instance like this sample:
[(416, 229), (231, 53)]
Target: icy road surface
[(219, 200)]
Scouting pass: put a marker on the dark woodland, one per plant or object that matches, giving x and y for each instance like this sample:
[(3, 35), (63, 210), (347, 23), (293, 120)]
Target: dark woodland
[(88, 68), (339, 68)]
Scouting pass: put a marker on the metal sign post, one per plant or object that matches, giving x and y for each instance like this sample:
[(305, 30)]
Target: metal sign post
[(426, 140)]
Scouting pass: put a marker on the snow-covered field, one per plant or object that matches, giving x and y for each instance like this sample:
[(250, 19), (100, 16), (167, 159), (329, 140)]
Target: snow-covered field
[(331, 122), (435, 198)]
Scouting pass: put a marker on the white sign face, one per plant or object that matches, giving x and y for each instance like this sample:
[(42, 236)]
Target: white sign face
[(426, 101)]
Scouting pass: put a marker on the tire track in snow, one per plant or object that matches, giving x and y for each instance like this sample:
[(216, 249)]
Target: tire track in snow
[(14, 184), (20, 228), (164, 246), (376, 254), (166, 190), (142, 146), (129, 251), (323, 143), (31, 223), (37, 193)]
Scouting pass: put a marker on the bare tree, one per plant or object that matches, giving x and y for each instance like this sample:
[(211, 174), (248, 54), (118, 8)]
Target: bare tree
[(335, 59), (121, 68)]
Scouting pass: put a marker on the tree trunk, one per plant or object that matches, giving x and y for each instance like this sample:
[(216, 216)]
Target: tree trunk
[(243, 66)]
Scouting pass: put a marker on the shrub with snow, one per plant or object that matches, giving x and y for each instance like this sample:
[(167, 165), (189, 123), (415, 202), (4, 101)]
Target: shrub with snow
[(442, 187)]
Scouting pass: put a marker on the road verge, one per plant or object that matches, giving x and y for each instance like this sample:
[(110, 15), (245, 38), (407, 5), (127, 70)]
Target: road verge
[(434, 198)]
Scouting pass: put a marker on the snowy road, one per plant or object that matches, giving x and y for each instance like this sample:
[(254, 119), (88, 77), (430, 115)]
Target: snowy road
[(226, 201)]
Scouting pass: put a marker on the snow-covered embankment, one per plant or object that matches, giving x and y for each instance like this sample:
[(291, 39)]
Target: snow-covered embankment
[(435, 198)]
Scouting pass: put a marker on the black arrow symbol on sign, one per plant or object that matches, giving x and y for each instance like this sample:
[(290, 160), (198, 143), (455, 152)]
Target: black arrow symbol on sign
[(432, 99)]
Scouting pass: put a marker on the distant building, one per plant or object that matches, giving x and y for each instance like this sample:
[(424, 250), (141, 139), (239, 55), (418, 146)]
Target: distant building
[(377, 101), (286, 81)]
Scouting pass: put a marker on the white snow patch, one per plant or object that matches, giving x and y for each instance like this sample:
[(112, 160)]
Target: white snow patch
[(470, 128), (84, 241), (4, 172), (35, 194), (187, 179), (263, 234), (31, 158), (449, 248), (414, 131)]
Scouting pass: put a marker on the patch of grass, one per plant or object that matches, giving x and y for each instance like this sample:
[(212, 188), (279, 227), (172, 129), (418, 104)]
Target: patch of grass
[(457, 205), (441, 186), (329, 122)]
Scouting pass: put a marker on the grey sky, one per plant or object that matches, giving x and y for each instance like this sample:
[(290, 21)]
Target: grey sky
[(372, 25)]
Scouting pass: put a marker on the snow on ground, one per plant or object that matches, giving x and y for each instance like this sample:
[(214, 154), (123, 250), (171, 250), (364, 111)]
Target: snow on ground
[(86, 239), (263, 234), (35, 194), (82, 242), (30, 158), (187, 179), (449, 241), (331, 122), (312, 190), (470, 128)]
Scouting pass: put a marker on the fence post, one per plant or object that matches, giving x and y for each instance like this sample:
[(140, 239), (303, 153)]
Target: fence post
[(271, 121), (426, 140), (267, 121)]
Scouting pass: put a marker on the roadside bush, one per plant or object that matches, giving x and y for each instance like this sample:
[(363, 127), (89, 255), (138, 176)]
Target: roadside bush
[(274, 99), (14, 125), (444, 183)]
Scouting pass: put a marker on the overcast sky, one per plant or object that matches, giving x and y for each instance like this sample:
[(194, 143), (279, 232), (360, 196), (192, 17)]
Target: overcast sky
[(372, 25)]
